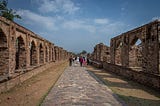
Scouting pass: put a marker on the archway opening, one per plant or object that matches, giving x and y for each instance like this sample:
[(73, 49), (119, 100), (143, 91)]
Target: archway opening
[(118, 60), (46, 54), (33, 54), (41, 54), (55, 54), (135, 54), (20, 53), (4, 53), (52, 54)]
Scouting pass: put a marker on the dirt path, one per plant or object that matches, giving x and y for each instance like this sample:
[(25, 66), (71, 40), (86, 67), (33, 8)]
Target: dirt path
[(132, 93), (32, 91)]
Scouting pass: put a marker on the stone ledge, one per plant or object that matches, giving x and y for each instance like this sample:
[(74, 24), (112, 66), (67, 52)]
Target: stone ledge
[(7, 85), (96, 64), (150, 80)]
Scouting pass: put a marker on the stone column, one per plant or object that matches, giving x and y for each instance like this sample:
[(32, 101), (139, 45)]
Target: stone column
[(53, 53), (56, 53), (28, 50), (150, 49), (11, 50), (112, 51), (125, 51), (38, 55)]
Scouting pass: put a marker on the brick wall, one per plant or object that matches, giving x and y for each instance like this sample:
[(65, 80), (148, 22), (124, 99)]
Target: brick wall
[(22, 49), (151, 80)]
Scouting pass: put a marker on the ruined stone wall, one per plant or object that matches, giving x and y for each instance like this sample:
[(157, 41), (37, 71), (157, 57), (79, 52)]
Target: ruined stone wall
[(21, 49), (141, 77), (136, 55), (101, 53), (146, 56)]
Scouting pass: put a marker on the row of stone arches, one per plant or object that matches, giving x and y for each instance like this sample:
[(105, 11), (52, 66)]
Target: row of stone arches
[(21, 53), (4, 53)]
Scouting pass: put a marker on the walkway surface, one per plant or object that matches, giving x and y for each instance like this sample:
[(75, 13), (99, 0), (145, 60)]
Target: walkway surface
[(79, 87)]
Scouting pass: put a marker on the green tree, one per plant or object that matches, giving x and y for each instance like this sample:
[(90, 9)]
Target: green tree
[(10, 14), (83, 52)]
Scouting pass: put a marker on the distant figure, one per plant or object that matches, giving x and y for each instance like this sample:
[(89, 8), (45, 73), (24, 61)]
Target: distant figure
[(84, 61), (81, 61), (88, 61), (70, 61)]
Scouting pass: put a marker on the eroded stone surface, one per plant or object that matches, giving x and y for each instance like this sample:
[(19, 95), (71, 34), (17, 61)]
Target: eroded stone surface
[(22, 49), (78, 87)]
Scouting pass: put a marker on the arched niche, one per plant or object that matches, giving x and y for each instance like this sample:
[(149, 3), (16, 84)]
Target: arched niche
[(41, 54), (46, 54), (4, 53), (20, 53), (52, 54), (33, 54)]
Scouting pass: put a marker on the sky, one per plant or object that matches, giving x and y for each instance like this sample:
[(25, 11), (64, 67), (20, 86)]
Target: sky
[(78, 25)]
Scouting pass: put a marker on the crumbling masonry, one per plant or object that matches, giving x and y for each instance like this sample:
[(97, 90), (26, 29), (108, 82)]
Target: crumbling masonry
[(21, 49), (101, 53), (136, 55)]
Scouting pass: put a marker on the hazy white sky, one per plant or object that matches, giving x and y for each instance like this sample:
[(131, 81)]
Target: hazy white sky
[(78, 25)]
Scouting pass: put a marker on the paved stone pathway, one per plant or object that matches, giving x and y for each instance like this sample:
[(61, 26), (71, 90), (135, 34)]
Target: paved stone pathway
[(78, 87)]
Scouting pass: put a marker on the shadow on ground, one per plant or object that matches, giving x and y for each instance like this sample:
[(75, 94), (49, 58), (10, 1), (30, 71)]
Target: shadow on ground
[(131, 92)]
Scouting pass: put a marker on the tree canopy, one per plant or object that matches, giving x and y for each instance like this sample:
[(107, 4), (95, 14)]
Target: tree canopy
[(83, 52), (8, 13)]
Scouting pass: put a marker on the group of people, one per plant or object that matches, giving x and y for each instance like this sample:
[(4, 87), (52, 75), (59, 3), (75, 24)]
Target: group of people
[(82, 60)]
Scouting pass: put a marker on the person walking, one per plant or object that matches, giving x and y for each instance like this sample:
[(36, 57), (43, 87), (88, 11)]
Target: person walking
[(81, 61), (70, 61)]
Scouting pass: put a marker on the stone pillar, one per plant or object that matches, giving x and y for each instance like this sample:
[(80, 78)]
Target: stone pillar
[(53, 53), (38, 55), (150, 49), (50, 53), (11, 50), (125, 51), (112, 51), (44, 51), (60, 53), (58, 50), (56, 53), (28, 47)]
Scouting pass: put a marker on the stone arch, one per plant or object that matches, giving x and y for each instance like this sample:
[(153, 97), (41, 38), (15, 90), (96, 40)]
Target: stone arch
[(52, 54), (20, 53), (118, 60), (46, 54), (33, 54), (55, 53), (4, 53), (41, 54), (134, 40), (135, 53)]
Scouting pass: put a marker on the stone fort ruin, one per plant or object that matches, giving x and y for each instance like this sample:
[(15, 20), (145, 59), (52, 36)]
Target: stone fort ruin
[(134, 54), (22, 50)]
